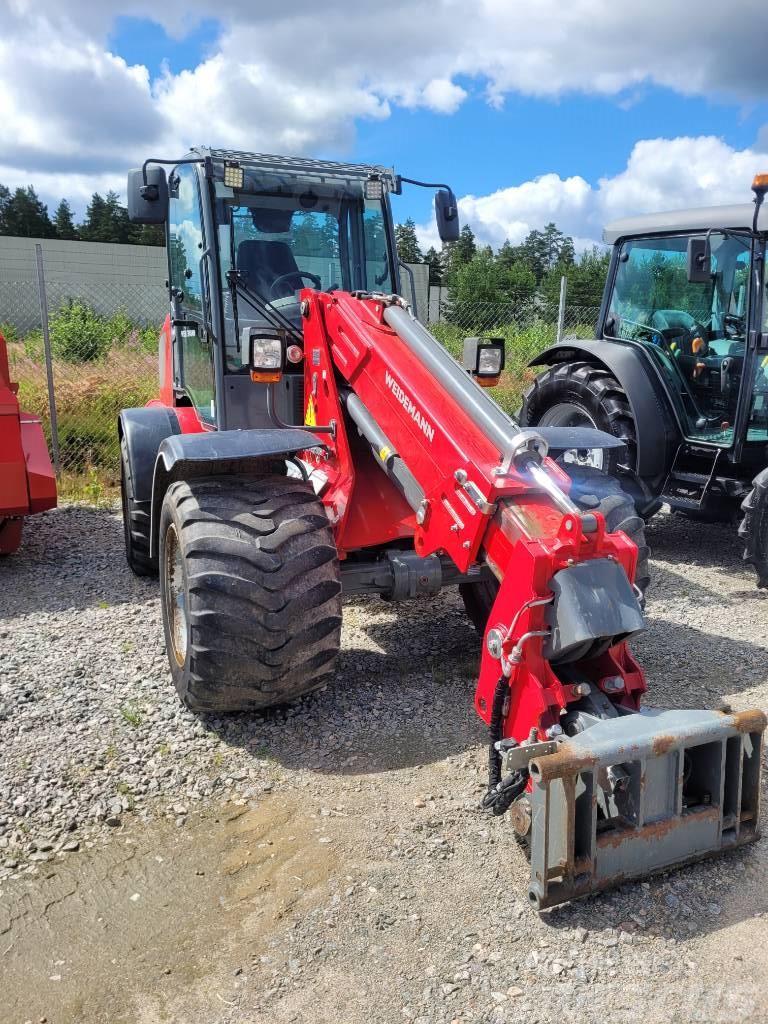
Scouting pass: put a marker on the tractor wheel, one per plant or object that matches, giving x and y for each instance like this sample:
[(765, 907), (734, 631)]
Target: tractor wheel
[(753, 529), (136, 521), (251, 591), (583, 395), (594, 491)]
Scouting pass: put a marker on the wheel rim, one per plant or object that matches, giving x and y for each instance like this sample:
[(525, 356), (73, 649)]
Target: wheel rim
[(175, 599), (568, 414)]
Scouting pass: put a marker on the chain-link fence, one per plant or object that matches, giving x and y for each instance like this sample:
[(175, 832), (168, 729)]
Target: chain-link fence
[(102, 356), (101, 351), (527, 328)]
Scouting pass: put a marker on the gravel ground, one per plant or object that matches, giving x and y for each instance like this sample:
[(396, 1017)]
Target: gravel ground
[(330, 863)]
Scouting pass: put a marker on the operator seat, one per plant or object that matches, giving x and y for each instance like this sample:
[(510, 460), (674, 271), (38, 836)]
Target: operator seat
[(263, 263)]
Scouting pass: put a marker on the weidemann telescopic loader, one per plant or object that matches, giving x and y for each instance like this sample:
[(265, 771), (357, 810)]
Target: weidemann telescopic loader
[(313, 442)]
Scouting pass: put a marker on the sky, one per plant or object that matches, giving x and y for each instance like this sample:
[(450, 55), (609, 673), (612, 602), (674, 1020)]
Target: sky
[(578, 113)]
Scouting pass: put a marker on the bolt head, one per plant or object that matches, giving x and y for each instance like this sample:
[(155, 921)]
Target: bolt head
[(613, 684), (460, 476), (553, 731), (494, 642)]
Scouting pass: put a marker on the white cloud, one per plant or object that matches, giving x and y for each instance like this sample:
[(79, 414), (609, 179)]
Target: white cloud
[(73, 115), (661, 174)]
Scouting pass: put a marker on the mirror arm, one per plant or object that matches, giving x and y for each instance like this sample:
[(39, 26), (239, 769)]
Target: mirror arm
[(425, 184), (150, 191)]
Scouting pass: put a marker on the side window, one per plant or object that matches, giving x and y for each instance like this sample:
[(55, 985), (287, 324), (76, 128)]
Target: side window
[(185, 237), (193, 348)]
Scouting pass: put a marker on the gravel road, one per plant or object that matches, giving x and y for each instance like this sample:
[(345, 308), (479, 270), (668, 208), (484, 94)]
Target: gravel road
[(329, 863)]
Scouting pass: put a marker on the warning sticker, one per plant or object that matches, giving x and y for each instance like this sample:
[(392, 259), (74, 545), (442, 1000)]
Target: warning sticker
[(310, 416)]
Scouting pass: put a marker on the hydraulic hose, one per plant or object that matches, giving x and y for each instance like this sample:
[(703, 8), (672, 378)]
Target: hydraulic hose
[(502, 792)]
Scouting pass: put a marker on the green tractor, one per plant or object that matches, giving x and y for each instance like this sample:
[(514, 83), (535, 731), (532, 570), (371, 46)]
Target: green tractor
[(678, 368)]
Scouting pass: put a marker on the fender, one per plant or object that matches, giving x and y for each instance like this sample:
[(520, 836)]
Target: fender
[(658, 430), (214, 452), (144, 430)]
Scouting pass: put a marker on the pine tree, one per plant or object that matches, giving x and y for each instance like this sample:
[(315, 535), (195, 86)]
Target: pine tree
[(435, 261), (407, 243), (23, 214), (63, 222)]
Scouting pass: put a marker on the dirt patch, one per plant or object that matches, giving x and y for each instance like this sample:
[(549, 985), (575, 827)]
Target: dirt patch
[(128, 931)]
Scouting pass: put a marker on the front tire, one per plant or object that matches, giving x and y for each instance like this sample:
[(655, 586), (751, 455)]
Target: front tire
[(753, 528), (592, 491), (251, 591)]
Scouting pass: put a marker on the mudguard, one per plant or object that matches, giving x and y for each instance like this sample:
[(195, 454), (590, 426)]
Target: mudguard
[(184, 456), (658, 432), (144, 430)]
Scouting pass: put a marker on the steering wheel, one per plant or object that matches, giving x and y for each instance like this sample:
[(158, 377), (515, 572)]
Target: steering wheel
[(296, 275)]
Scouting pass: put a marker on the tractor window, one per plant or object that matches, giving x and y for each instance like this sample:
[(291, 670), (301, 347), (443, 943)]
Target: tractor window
[(312, 236), (696, 331), (185, 237)]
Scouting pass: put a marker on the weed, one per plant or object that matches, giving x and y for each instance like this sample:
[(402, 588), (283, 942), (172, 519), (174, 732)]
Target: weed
[(131, 714)]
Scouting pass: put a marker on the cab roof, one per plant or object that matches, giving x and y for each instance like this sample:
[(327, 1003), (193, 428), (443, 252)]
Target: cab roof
[(736, 217)]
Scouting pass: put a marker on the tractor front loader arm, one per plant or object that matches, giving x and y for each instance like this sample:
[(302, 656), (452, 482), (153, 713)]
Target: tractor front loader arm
[(602, 789)]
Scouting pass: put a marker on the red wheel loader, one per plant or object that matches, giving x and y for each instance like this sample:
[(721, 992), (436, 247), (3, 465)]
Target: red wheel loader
[(312, 442), (27, 480)]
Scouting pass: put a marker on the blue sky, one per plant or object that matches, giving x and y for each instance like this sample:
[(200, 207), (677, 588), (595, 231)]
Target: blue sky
[(532, 110)]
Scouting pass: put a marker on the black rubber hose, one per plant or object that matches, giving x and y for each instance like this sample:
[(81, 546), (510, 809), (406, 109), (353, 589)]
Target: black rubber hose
[(495, 734)]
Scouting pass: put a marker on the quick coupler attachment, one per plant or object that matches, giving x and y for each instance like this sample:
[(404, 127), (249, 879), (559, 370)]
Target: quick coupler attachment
[(641, 793)]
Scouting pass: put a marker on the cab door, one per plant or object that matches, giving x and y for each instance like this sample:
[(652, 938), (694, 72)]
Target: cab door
[(194, 365)]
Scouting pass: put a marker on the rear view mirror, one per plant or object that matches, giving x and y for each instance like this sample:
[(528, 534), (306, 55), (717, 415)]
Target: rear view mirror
[(699, 263), (447, 215), (147, 203)]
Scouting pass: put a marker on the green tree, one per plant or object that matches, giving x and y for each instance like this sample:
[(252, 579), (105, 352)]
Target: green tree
[(24, 214), (107, 221), (435, 261), (407, 243), (63, 222), (484, 281), (586, 279)]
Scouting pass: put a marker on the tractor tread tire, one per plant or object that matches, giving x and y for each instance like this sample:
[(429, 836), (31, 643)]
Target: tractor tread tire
[(137, 516), (262, 590), (595, 390), (594, 491), (753, 528)]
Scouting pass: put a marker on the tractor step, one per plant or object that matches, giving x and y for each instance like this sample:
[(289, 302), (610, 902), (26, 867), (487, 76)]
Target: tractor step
[(642, 793)]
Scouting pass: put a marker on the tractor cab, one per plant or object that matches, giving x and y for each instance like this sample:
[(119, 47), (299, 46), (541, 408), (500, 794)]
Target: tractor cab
[(246, 233), (678, 368), (690, 300)]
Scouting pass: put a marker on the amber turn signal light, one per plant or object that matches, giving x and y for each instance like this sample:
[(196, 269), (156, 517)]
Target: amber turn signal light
[(266, 376)]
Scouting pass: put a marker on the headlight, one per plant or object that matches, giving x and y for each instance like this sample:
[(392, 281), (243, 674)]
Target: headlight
[(266, 357), (484, 359)]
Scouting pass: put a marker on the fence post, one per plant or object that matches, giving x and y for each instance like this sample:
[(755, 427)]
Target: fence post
[(561, 308), (48, 359)]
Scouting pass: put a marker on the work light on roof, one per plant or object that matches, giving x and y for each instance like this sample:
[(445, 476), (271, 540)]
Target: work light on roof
[(233, 174), (374, 187)]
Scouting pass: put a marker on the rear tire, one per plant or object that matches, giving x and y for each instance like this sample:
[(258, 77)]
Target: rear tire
[(251, 591), (588, 392), (593, 491), (136, 520), (753, 529)]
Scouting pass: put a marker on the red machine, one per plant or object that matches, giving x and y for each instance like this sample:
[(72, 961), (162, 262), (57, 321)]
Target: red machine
[(322, 442), (27, 480)]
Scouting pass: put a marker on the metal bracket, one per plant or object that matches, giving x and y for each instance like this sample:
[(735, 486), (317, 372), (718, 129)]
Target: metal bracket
[(519, 757)]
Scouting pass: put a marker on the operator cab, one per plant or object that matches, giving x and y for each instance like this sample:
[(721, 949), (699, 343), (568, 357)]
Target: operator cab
[(246, 233)]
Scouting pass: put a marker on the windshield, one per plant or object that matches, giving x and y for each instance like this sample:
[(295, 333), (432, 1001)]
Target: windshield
[(695, 330), (309, 236)]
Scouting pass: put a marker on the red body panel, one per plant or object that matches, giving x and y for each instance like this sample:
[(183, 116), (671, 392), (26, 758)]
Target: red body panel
[(27, 480), (525, 538)]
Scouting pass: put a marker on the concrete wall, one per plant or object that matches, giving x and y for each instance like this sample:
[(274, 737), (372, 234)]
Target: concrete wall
[(107, 276)]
